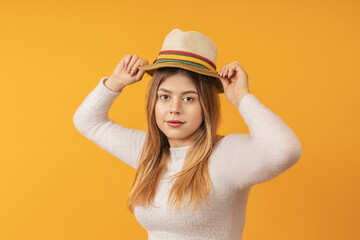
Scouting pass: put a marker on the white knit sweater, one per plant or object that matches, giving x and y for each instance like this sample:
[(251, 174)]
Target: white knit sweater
[(237, 162)]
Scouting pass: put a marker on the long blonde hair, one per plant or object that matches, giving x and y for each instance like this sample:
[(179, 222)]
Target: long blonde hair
[(194, 176)]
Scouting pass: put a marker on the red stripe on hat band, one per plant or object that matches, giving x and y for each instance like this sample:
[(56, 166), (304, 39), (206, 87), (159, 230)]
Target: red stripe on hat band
[(190, 53)]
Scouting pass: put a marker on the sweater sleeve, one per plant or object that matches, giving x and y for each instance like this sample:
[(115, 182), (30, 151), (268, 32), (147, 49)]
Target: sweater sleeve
[(91, 120), (270, 149)]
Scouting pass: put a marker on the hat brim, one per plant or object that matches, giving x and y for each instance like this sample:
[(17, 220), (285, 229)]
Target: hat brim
[(151, 69)]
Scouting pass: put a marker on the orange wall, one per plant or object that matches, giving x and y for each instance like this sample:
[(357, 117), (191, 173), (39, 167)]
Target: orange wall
[(302, 62)]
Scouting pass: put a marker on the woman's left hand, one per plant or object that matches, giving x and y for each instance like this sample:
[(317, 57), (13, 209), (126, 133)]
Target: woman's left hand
[(235, 82)]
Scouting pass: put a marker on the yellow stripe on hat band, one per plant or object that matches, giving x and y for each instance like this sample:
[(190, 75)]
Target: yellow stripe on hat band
[(185, 58)]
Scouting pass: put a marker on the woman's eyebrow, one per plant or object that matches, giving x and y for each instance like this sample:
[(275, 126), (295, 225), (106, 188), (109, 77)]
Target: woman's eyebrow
[(186, 92)]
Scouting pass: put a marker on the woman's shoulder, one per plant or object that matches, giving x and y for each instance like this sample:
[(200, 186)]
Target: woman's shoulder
[(226, 139), (232, 143)]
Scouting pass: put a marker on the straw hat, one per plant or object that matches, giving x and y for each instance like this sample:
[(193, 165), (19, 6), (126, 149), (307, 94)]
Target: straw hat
[(189, 50)]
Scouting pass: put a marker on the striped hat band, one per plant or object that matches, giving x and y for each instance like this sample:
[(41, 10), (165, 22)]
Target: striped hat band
[(186, 58)]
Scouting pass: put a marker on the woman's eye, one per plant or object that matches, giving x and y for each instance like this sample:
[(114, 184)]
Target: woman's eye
[(188, 99), (164, 97)]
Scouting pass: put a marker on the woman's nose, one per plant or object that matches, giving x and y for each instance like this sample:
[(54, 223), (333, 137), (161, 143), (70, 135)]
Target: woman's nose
[(175, 107)]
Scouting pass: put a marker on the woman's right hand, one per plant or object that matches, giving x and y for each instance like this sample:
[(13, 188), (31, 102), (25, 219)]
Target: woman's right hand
[(127, 72)]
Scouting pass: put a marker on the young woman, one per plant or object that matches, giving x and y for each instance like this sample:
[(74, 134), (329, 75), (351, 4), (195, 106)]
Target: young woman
[(190, 183)]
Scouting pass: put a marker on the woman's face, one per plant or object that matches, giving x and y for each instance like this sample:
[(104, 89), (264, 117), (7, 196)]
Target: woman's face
[(178, 111)]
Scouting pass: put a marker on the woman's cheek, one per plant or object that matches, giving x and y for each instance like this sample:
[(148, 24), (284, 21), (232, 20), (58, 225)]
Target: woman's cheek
[(159, 113)]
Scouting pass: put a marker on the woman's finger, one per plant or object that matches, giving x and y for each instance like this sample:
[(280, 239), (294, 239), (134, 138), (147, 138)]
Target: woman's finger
[(126, 59), (231, 72), (121, 66), (134, 69), (224, 82), (144, 62), (227, 71), (141, 73), (132, 62), (223, 71)]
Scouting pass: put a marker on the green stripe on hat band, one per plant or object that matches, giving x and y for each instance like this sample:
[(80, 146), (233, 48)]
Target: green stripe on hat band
[(189, 63)]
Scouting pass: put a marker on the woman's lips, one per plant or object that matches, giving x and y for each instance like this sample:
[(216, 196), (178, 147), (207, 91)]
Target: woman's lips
[(174, 123)]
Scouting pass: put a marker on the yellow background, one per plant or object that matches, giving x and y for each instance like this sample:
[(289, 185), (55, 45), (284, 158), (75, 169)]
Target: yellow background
[(302, 58)]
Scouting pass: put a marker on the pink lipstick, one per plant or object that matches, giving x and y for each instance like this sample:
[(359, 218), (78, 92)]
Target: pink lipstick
[(174, 123)]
